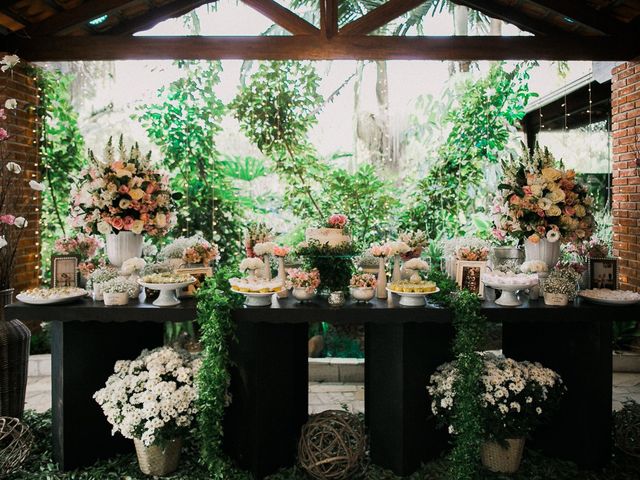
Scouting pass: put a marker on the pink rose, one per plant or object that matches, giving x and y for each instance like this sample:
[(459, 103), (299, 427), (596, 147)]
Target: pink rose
[(514, 200), (570, 211), (128, 222), (8, 219), (3, 115), (3, 134), (123, 189), (527, 191), (117, 223)]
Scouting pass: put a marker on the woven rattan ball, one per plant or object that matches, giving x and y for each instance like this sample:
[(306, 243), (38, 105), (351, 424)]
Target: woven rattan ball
[(332, 445), (15, 444), (627, 428)]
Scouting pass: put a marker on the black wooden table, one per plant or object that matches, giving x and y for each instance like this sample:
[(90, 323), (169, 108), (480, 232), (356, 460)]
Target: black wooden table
[(269, 387)]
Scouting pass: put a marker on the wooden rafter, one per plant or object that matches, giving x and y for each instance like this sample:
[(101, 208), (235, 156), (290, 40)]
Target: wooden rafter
[(155, 16), (329, 18), (283, 16), (68, 20), (379, 17), (513, 16), (316, 47), (584, 15)]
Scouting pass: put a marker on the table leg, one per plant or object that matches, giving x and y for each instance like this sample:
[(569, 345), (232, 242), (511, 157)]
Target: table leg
[(581, 353), (83, 355), (269, 396), (399, 360)]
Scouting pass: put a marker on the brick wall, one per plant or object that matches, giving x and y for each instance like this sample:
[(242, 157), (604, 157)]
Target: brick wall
[(22, 148), (625, 106)]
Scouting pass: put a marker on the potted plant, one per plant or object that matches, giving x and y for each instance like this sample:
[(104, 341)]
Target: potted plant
[(159, 411), (362, 287), (122, 198), (381, 252), (117, 291), (303, 283), (516, 397), (97, 278), (417, 242), (560, 286), (200, 252)]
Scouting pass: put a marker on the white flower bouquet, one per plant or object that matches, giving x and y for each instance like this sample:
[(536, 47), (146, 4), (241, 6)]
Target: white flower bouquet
[(251, 263), (516, 396), (132, 266), (121, 285), (152, 398)]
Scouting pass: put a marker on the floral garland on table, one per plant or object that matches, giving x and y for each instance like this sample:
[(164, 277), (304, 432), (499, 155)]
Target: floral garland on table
[(215, 304), (125, 194), (539, 199)]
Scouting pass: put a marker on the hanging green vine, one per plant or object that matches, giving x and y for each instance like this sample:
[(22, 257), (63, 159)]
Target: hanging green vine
[(215, 304)]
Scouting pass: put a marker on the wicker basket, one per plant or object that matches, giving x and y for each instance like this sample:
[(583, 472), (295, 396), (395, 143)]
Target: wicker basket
[(156, 460), (497, 458)]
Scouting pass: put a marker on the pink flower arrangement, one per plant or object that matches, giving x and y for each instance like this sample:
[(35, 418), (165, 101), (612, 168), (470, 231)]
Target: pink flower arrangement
[(82, 245), (297, 278), (201, 252), (380, 251), (363, 280), (281, 251), (337, 220), (473, 253), (125, 194)]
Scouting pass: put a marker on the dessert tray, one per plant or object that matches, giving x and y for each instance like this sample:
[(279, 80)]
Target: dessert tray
[(49, 296), (257, 292), (509, 283), (604, 296), (167, 284), (412, 294)]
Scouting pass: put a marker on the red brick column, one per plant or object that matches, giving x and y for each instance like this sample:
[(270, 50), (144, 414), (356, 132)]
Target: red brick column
[(22, 148), (625, 106)]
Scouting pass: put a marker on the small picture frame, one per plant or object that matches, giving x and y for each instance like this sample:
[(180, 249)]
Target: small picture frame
[(469, 276), (200, 274), (64, 270), (603, 273)]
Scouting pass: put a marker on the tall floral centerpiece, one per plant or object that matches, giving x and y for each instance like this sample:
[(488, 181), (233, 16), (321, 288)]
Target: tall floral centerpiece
[(381, 252), (122, 198), (542, 204), (280, 253), (516, 397), (152, 400), (257, 232), (14, 187), (396, 250), (417, 241), (265, 250)]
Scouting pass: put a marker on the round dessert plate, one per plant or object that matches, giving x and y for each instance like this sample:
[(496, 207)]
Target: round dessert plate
[(32, 300), (167, 297), (257, 299), (413, 299), (603, 296)]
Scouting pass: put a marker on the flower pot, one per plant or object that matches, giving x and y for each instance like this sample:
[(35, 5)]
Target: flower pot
[(98, 296), (501, 255), (302, 294), (116, 298), (556, 299), (499, 459), (362, 294), (381, 285), (156, 460), (548, 252), (15, 339), (123, 246), (336, 299)]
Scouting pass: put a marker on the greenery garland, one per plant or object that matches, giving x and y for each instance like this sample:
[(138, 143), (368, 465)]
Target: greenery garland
[(215, 304), (470, 326)]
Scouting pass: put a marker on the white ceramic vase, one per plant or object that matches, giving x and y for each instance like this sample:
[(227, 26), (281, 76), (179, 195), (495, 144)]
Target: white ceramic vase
[(282, 276), (98, 296), (123, 246), (395, 277), (116, 298), (548, 252), (381, 285)]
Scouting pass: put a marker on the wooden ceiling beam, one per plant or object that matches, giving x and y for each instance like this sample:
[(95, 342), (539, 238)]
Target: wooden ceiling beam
[(513, 16), (309, 47), (329, 18), (379, 17), (581, 13), (283, 16), (68, 20), (154, 16)]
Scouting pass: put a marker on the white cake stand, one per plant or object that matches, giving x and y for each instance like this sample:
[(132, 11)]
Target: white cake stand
[(509, 297), (167, 297), (413, 299), (257, 299)]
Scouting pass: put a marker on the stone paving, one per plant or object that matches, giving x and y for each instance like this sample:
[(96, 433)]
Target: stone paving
[(333, 396)]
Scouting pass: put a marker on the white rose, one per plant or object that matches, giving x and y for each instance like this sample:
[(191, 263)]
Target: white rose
[(37, 186), (11, 104), (9, 61), (20, 222), (161, 220), (104, 228), (13, 167)]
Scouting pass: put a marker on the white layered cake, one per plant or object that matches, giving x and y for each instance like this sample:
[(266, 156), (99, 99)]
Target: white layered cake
[(332, 237)]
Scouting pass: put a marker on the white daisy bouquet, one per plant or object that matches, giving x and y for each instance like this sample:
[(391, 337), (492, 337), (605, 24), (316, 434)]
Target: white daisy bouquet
[(516, 396), (540, 199), (122, 193), (152, 398)]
